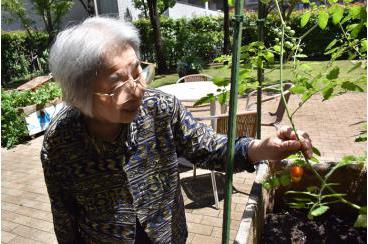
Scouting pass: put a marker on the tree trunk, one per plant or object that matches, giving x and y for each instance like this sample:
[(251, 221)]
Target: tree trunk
[(155, 22), (50, 26), (226, 48)]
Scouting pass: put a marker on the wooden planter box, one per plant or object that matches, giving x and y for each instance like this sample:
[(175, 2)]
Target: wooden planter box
[(38, 117), (351, 178)]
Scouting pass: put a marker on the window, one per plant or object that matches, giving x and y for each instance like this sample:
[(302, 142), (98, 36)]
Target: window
[(107, 7)]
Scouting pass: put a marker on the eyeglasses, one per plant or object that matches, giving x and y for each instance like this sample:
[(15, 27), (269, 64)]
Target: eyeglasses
[(125, 90)]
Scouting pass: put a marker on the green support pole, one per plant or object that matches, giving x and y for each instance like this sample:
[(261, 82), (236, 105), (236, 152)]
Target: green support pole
[(238, 21), (260, 71)]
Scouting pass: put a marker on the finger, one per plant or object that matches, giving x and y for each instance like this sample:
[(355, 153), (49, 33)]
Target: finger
[(301, 134), (284, 133), (290, 146), (306, 147)]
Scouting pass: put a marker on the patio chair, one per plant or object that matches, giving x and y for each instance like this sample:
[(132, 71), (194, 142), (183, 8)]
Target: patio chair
[(246, 123), (273, 119), (194, 78)]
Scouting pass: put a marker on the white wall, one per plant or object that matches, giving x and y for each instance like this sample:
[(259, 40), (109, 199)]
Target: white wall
[(75, 15), (181, 10)]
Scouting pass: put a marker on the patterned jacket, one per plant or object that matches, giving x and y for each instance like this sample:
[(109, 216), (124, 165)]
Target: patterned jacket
[(98, 189)]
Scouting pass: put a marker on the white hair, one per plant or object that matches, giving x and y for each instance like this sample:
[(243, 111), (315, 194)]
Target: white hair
[(78, 52)]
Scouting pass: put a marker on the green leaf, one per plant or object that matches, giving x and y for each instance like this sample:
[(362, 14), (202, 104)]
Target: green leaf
[(355, 32), (305, 1), (350, 86), (319, 211), (356, 66), (297, 89), (327, 92), (316, 151), (361, 221), (361, 138), (285, 180), (206, 99), (306, 96), (337, 14), (220, 81), (266, 185), (277, 48), (222, 98), (305, 19), (231, 2), (299, 205), (314, 160), (363, 43), (269, 56), (355, 11), (333, 74), (323, 19)]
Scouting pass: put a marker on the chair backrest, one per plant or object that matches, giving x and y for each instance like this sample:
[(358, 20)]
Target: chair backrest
[(246, 123), (194, 78)]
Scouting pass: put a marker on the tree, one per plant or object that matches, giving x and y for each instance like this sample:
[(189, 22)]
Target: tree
[(50, 11), (162, 5), (16, 11), (226, 48), (154, 14), (89, 6)]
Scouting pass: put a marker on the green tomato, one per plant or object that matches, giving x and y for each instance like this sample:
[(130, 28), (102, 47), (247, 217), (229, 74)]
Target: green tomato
[(277, 39), (288, 44), (288, 28), (292, 32), (300, 50)]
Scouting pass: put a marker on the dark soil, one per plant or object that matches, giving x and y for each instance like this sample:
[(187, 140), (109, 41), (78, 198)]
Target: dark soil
[(292, 226)]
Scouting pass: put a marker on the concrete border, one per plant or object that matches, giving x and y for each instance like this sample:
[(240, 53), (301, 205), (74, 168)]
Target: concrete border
[(251, 223)]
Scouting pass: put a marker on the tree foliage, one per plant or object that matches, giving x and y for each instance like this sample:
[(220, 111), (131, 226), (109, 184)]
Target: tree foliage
[(50, 11)]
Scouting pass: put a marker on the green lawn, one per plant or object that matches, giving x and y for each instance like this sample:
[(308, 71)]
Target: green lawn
[(271, 75)]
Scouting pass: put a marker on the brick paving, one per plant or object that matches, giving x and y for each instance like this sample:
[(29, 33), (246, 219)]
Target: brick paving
[(26, 216)]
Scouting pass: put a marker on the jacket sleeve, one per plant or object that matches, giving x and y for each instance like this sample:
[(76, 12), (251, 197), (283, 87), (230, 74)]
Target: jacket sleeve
[(65, 225), (199, 144)]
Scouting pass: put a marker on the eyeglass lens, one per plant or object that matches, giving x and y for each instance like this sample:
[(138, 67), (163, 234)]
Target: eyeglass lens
[(128, 90)]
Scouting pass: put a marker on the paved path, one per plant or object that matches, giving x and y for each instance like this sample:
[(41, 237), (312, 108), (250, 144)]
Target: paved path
[(26, 216)]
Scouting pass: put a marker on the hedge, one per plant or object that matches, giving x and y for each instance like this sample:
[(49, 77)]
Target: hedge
[(22, 55), (199, 37)]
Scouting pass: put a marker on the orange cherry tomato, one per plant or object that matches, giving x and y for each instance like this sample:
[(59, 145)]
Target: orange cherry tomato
[(296, 173)]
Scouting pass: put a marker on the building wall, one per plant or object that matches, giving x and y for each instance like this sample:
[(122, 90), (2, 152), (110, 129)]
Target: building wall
[(181, 10), (75, 15)]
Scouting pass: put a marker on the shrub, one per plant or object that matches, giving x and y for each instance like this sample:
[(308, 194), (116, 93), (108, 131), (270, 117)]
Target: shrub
[(22, 55), (189, 65), (13, 125)]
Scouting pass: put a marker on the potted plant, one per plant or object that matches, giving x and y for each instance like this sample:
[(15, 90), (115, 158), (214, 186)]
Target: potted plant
[(310, 191)]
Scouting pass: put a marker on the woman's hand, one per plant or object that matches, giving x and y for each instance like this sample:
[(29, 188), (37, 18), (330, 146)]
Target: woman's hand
[(280, 146)]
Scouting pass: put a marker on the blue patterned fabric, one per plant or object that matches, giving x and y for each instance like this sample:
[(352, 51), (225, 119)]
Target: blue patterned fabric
[(98, 189)]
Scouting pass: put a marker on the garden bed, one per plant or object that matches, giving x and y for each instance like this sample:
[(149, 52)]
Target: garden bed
[(268, 219)]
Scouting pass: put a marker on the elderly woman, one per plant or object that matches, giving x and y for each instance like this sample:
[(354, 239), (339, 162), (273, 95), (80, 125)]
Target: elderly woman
[(110, 157)]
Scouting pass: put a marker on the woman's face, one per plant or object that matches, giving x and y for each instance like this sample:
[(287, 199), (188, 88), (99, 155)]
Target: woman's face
[(118, 91)]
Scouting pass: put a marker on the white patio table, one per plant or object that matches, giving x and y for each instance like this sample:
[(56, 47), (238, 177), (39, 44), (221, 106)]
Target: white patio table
[(193, 91)]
